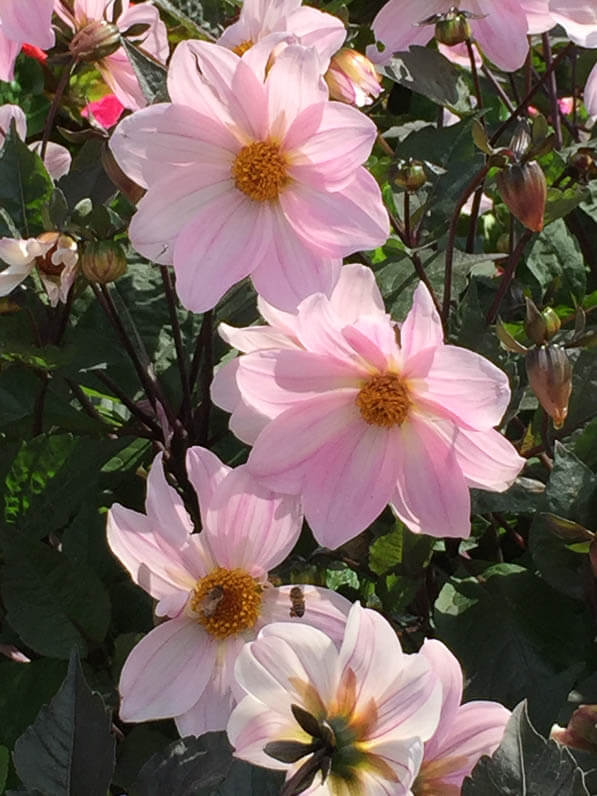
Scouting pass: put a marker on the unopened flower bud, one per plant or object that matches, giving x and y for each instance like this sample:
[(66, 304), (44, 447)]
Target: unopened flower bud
[(452, 28), (352, 78), (550, 377), (524, 191), (541, 326), (410, 175), (95, 41), (103, 261)]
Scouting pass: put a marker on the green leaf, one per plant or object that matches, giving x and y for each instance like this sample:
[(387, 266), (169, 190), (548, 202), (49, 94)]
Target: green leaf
[(87, 178), (52, 604), (510, 631), (428, 72), (561, 202), (556, 258), (69, 749), (203, 767), (188, 12), (571, 493), (150, 73), (526, 763), (4, 763), (400, 548), (25, 185)]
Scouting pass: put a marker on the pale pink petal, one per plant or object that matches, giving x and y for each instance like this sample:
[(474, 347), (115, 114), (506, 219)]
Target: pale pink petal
[(152, 564), (321, 331), (57, 160), (172, 203), (539, 18), (486, 458), (422, 327), (329, 157), (403, 757), (338, 223), (465, 387), (255, 338), (165, 508), (213, 708), (356, 293), (285, 656), (248, 102), (374, 340), (307, 88), (165, 136), (579, 19), (153, 41), (219, 247), (431, 495), (119, 75), (224, 389), (447, 668), (13, 275), (205, 472), (290, 270), (590, 93), (200, 75), (252, 725), (314, 28), (284, 322), (350, 482), (324, 609), (30, 22), (167, 671), (502, 35), (9, 50), (396, 27), (249, 527), (7, 114)]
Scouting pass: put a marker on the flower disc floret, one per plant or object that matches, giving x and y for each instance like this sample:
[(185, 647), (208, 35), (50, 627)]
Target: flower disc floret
[(384, 400), (239, 606), (242, 48), (259, 171)]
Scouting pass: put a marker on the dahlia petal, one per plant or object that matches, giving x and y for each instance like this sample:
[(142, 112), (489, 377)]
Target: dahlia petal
[(349, 482), (305, 124), (356, 293), (447, 668), (324, 609), (213, 708), (248, 101), (7, 114), (505, 41), (166, 671), (249, 527), (286, 448), (254, 338), (578, 19), (466, 388), (252, 725), (431, 494), (314, 28), (118, 73), (290, 270), (172, 203), (539, 18), (57, 160), (219, 247), (339, 223), (21, 22), (422, 327), (374, 340), (320, 331), (165, 508), (13, 275), (9, 50), (307, 88), (205, 472), (396, 27), (590, 93), (155, 39), (152, 564), (404, 757)]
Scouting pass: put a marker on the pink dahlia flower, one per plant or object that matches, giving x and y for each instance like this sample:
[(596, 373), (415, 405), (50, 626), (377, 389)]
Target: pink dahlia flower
[(57, 159), (464, 733), (116, 68), (578, 18), (309, 27), (54, 255), (590, 94), (500, 31), (247, 175), (354, 718), (366, 413), (212, 587), (20, 22)]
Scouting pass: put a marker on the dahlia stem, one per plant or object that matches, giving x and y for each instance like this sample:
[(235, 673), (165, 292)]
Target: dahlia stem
[(185, 407), (553, 91), (60, 88), (508, 275)]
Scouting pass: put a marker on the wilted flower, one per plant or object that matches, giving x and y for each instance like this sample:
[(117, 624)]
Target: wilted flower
[(55, 256), (97, 38), (365, 414), (308, 26), (351, 77), (498, 26), (464, 733), (550, 377), (524, 191), (212, 587), (352, 720), (250, 176), (57, 159), (21, 22), (581, 732)]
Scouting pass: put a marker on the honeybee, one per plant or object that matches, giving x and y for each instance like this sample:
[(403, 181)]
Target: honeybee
[(211, 601), (297, 602)]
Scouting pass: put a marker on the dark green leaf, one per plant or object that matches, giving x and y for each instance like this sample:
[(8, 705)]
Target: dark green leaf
[(87, 178), (429, 73), (52, 604), (526, 764), (150, 74), (555, 257), (4, 763), (69, 749)]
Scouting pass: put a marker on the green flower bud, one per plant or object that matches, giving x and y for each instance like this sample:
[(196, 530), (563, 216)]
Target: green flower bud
[(410, 175), (452, 28), (103, 261)]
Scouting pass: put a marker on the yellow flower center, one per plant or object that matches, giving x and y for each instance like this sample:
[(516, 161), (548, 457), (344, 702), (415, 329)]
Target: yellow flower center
[(242, 48), (259, 170), (226, 602), (384, 400)]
